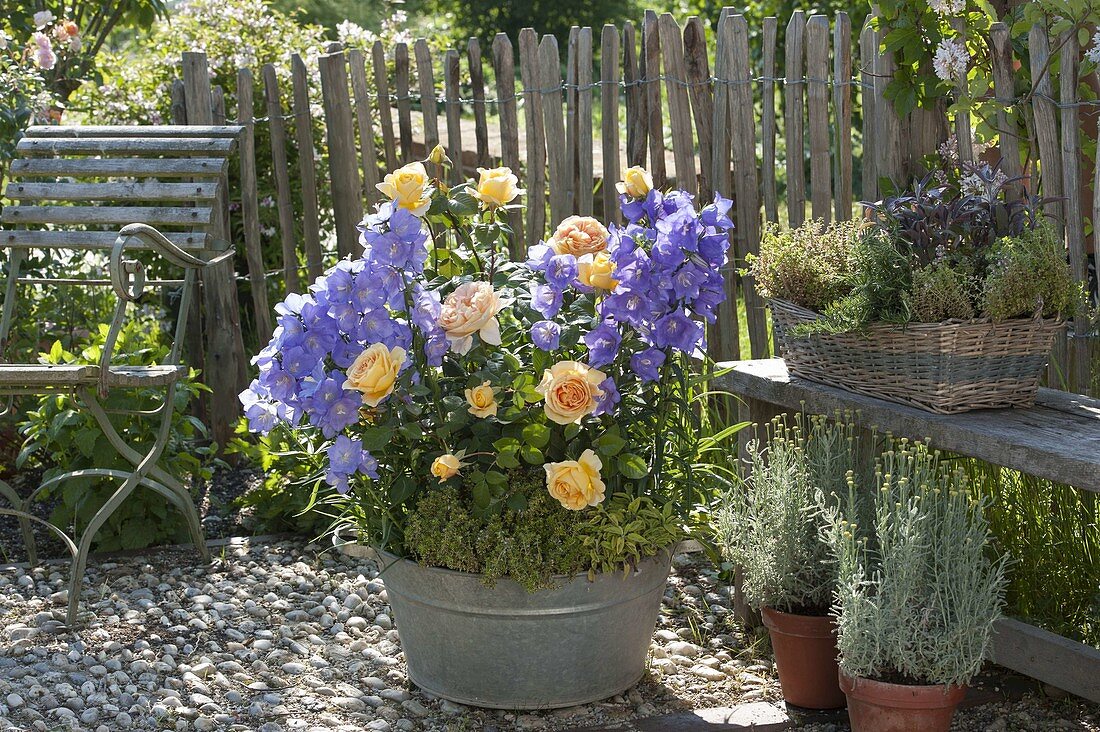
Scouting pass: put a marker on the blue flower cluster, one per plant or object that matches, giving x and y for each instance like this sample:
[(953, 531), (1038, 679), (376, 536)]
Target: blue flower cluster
[(667, 263), (355, 304)]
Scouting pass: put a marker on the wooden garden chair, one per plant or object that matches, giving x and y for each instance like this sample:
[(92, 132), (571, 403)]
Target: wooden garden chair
[(74, 187)]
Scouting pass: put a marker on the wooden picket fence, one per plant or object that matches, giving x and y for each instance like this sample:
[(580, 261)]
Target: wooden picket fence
[(688, 104)]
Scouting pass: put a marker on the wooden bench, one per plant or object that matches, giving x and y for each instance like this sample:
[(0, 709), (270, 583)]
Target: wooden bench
[(125, 200), (1057, 439)]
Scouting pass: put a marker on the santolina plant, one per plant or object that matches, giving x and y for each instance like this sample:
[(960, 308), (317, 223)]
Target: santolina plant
[(434, 360), (918, 590)]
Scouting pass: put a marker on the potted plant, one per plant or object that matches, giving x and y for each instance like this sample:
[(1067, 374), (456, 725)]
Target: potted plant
[(948, 297), (917, 596), (773, 527), (521, 442)]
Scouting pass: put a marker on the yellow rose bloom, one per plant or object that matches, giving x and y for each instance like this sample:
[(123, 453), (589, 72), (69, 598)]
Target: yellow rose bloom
[(409, 187), (438, 155), (375, 371), (482, 401), (595, 270), (571, 390), (446, 466), (578, 235), (497, 187), (576, 483), (636, 182)]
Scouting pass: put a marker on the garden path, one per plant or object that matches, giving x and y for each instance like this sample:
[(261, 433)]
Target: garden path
[(281, 635)]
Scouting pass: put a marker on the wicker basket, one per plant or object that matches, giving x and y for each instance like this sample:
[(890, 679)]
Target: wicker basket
[(948, 367)]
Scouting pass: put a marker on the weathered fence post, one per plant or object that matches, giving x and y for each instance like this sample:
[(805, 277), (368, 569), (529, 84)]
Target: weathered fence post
[(279, 171), (746, 185), (793, 90), (556, 149), (451, 81), (385, 114), (477, 86), (250, 212), (817, 99), (650, 61), (531, 76), (224, 369), (307, 170), (504, 68), (347, 202), (368, 155), (585, 177), (702, 101), (725, 340), (609, 104), (679, 113), (842, 112)]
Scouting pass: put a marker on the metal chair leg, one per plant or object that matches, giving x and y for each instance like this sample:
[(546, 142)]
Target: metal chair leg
[(21, 511), (80, 560), (141, 470), (187, 504)]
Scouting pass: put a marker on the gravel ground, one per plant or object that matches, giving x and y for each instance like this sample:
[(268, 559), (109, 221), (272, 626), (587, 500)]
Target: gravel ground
[(285, 636)]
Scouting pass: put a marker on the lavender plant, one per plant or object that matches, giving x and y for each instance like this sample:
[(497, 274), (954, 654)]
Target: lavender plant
[(772, 526), (918, 591)]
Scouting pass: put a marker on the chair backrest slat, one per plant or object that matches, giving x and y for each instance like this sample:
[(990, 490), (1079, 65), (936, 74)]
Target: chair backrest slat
[(120, 167), (114, 191), (29, 146), (152, 215), (173, 131)]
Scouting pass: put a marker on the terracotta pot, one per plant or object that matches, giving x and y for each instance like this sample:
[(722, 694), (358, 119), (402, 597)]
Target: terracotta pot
[(875, 706), (805, 656)]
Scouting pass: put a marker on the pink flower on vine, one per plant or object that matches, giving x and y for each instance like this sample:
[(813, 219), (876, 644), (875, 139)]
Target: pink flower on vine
[(43, 53)]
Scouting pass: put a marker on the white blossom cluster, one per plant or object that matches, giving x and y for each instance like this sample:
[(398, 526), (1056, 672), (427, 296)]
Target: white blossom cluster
[(951, 60), (947, 7), (1093, 54)]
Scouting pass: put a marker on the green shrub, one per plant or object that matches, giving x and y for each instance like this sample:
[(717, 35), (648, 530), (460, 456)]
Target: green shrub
[(772, 526), (808, 266), (939, 293), (538, 539), (529, 546), (1029, 276), (918, 594), (879, 281), (60, 437), (293, 495)]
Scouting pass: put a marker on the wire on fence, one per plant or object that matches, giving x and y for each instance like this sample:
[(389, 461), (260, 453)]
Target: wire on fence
[(564, 87)]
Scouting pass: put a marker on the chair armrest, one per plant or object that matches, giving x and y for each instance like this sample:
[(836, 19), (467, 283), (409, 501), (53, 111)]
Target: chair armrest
[(128, 276)]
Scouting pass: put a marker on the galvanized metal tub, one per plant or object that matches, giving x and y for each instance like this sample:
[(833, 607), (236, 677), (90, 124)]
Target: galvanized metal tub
[(506, 648)]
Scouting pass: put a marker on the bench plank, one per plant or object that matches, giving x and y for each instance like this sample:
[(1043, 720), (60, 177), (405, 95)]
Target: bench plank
[(154, 215), (1058, 439), (116, 191), (125, 146), (49, 375), (147, 131), (120, 167), (31, 239), (1064, 663)]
